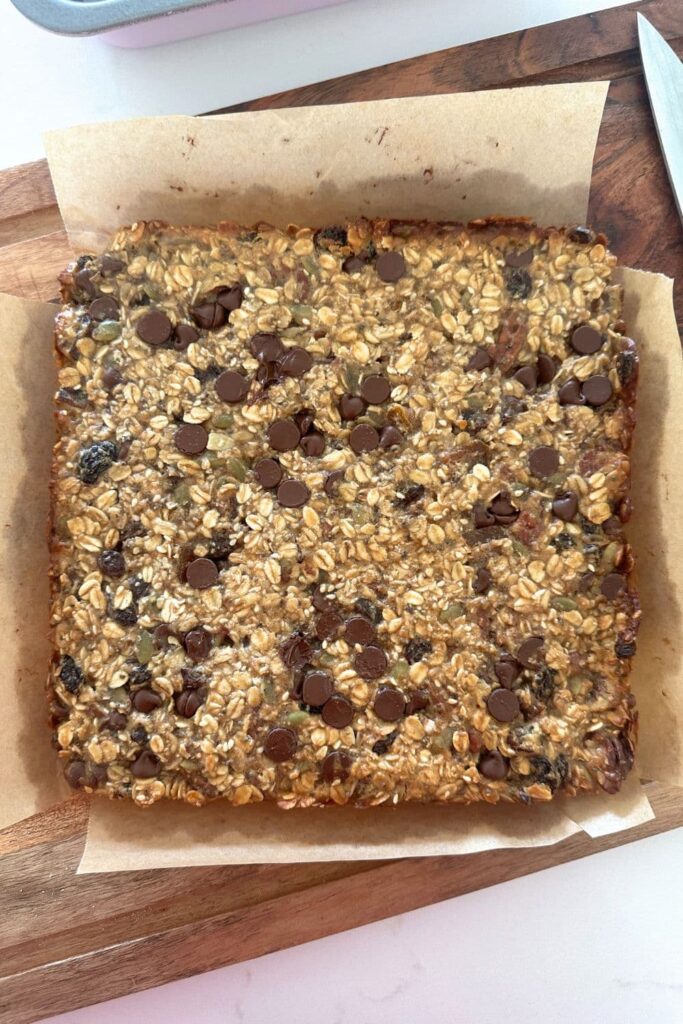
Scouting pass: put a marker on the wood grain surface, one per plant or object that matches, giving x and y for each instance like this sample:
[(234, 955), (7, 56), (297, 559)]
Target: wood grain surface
[(67, 940)]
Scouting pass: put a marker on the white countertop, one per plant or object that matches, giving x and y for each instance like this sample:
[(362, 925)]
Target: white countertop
[(596, 941)]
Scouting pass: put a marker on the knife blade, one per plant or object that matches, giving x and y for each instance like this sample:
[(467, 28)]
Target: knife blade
[(664, 80)]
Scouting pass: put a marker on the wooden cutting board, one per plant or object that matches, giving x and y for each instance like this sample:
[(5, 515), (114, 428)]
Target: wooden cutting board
[(66, 940)]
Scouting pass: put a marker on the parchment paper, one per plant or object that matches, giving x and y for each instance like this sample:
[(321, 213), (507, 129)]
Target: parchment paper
[(372, 158)]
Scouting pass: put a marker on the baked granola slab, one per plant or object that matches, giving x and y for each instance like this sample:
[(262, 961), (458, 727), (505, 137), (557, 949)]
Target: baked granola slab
[(338, 515)]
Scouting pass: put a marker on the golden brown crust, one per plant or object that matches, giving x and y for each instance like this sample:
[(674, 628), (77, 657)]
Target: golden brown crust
[(406, 539)]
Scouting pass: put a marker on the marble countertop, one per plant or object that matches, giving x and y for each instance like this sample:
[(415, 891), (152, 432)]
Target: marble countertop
[(595, 941)]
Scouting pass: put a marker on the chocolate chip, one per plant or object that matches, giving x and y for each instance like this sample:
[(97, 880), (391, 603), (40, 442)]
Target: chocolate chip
[(613, 526), (544, 461), (565, 506), (268, 374), (114, 722), (201, 573), (482, 581), (417, 701), (518, 282), (375, 389), (390, 266), (503, 510), (209, 315), (188, 702), (479, 360), (295, 650), (332, 481), (71, 674), (111, 563), (352, 264), (267, 348), (337, 712), (154, 327), (111, 377), (507, 669), (95, 460), (389, 704), (184, 335), (313, 444), (482, 516), (317, 688), (502, 705), (75, 773), (292, 494), (359, 630), (305, 419), (232, 386), (191, 438), (390, 436), (328, 624), (146, 701), (527, 376), (363, 438), (415, 650), (104, 308), (197, 643), (597, 390), (268, 472), (586, 340), (280, 744), (546, 367), (371, 662), (335, 765), (83, 279), (492, 765), (519, 257), (531, 651), (230, 298), (110, 265), (351, 407), (146, 765), (283, 435), (612, 585), (570, 393), (162, 633), (296, 362)]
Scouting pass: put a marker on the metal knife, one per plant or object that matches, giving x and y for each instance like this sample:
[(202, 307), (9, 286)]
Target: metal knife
[(664, 80)]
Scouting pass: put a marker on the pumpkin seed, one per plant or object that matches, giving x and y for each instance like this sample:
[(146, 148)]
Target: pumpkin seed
[(181, 493), (108, 330), (400, 669), (451, 611), (325, 658), (437, 307), (297, 717), (351, 377), (223, 420), (563, 604), (268, 691), (310, 265), (609, 555), (144, 650), (301, 314), (236, 469)]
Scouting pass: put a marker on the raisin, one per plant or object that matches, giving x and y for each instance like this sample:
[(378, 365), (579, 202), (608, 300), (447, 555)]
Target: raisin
[(368, 609), (220, 545), (412, 495), (139, 674), (134, 528), (627, 367), (415, 650), (369, 253), (544, 772), (139, 735), (518, 282), (334, 234), (139, 587), (210, 373), (543, 684), (476, 419), (581, 234), (193, 678), (96, 459), (625, 648), (72, 396), (125, 616), (511, 407), (562, 542), (70, 674), (562, 768), (112, 563), (587, 526), (382, 746)]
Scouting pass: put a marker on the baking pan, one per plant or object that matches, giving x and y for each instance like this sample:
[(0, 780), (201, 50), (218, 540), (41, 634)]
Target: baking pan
[(137, 23)]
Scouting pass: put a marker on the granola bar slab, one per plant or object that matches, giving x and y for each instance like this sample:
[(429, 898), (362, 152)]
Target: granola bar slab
[(338, 515)]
